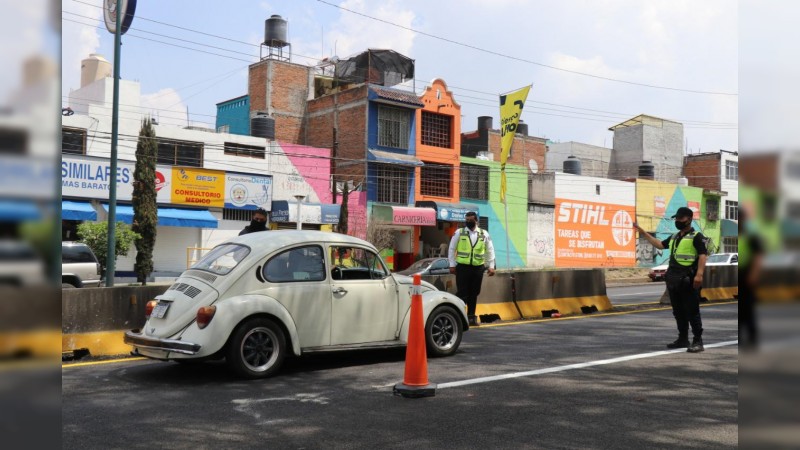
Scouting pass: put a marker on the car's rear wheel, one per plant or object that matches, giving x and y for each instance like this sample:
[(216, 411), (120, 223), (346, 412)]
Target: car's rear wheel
[(443, 332), (257, 348)]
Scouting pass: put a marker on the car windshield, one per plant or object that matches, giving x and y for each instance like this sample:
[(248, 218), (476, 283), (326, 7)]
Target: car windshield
[(721, 258), (222, 259)]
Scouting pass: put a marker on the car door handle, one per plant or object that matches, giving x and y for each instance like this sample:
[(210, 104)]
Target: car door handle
[(340, 290)]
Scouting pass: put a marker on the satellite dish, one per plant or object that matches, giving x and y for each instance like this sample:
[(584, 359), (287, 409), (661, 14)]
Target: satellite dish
[(533, 165)]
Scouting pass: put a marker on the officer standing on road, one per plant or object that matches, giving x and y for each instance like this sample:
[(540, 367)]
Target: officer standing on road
[(470, 249), (687, 262), (257, 223), (751, 255)]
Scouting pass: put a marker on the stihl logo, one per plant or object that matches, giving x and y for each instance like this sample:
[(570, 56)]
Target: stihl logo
[(582, 213)]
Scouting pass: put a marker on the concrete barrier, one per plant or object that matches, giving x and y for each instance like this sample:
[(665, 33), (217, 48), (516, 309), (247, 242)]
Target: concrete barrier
[(96, 318), (719, 283), (537, 291)]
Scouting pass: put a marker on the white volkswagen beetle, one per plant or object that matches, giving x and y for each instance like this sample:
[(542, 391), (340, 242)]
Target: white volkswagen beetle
[(257, 297)]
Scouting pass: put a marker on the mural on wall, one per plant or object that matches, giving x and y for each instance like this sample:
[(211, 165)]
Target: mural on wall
[(541, 244), (657, 219)]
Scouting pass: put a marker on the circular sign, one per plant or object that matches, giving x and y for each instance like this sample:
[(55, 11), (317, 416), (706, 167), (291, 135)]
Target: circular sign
[(161, 181), (622, 228), (113, 7), (238, 194)]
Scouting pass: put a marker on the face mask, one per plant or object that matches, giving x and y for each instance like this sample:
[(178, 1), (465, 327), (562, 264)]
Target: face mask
[(256, 225), (471, 224), (681, 225)]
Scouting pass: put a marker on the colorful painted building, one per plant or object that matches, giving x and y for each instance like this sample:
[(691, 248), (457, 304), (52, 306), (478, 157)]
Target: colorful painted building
[(656, 202)]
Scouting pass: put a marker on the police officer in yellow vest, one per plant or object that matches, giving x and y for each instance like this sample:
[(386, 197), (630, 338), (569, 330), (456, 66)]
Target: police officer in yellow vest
[(470, 250), (687, 263)]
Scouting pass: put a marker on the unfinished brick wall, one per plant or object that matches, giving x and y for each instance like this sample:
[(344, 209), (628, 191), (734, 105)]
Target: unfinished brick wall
[(703, 171), (281, 89), (523, 149)]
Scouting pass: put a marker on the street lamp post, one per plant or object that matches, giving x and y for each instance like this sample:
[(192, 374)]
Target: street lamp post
[(299, 198)]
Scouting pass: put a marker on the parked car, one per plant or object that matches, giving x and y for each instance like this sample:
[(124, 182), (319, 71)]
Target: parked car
[(428, 266), (719, 259), (79, 266), (260, 297), (723, 259), (20, 265)]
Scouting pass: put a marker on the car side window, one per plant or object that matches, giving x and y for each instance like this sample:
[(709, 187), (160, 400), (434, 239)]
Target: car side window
[(350, 263), (440, 264), (297, 264), (77, 254)]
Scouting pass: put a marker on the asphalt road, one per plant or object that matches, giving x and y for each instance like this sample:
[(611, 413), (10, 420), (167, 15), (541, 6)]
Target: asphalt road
[(590, 382), (642, 293)]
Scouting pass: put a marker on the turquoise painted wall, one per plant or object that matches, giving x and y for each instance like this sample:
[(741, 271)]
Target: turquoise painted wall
[(493, 209)]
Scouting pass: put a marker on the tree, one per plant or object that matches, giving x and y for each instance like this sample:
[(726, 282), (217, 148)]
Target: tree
[(95, 235), (145, 211)]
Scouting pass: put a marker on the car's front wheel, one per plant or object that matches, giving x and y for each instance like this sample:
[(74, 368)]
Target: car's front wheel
[(443, 332), (257, 348)]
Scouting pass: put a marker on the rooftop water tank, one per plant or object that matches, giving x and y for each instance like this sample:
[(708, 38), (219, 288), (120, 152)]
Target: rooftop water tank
[(683, 181), (263, 126), (522, 128), (572, 165), (94, 68), (485, 122), (275, 31), (647, 170)]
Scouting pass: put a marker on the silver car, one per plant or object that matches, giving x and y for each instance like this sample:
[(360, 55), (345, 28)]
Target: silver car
[(260, 297), (79, 266)]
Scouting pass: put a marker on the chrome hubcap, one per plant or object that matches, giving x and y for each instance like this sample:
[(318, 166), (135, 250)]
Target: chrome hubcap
[(444, 331), (259, 349)]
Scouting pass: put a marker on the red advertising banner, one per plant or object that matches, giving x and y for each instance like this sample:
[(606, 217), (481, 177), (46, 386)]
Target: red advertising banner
[(590, 234)]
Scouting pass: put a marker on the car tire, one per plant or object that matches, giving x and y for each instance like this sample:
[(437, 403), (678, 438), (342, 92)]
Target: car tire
[(256, 349), (68, 286), (443, 332)]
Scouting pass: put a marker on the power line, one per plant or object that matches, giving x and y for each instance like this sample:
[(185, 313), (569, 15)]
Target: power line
[(515, 58)]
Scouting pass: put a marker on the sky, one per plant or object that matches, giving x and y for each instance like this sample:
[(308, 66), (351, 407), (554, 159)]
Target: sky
[(592, 63)]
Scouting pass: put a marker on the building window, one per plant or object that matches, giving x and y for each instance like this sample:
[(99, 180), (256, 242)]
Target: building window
[(712, 209), (247, 151), (242, 215), (436, 129), (730, 244), (474, 182), (732, 170), (73, 140), (731, 210), (224, 129), (435, 180), (483, 223), (393, 127), (180, 153), (392, 183)]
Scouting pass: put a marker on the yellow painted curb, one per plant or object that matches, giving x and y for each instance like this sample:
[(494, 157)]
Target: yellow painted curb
[(42, 342), (534, 308), (99, 343), (720, 293)]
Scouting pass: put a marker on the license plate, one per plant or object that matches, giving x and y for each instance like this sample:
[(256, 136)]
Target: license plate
[(160, 310)]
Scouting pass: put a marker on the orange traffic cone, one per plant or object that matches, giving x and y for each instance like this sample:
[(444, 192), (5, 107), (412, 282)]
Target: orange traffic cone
[(415, 382)]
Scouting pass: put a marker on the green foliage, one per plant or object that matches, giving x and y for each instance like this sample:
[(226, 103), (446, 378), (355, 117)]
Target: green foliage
[(145, 209), (95, 235)]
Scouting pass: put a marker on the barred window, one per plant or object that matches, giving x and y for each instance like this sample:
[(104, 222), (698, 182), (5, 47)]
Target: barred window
[(393, 127), (731, 210), (474, 182), (73, 140), (436, 129), (730, 244), (392, 183), (712, 209), (242, 215), (247, 151), (180, 153), (732, 170), (435, 180)]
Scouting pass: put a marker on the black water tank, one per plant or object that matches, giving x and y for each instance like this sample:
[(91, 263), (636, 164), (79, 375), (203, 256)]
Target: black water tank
[(647, 170), (275, 31), (485, 122), (262, 126), (522, 128), (572, 165)]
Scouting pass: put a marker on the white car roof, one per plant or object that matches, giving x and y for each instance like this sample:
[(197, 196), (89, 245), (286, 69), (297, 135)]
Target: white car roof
[(268, 241)]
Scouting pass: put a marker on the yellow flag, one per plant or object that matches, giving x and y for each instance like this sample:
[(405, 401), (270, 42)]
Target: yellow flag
[(511, 105)]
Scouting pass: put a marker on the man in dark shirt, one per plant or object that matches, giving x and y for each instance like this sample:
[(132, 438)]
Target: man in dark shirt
[(687, 263), (258, 223), (751, 254)]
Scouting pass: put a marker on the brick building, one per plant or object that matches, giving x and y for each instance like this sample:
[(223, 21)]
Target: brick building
[(718, 173), (528, 151)]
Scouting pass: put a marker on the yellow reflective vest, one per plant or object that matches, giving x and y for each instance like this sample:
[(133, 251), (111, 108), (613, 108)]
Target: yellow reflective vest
[(468, 254), (685, 254)]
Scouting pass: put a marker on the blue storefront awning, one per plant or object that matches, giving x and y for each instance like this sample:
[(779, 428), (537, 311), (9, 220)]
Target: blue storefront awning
[(172, 217), (18, 211), (394, 158), (77, 211), (729, 228), (316, 213)]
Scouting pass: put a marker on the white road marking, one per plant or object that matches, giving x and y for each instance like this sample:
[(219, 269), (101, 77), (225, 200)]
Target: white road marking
[(573, 366)]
